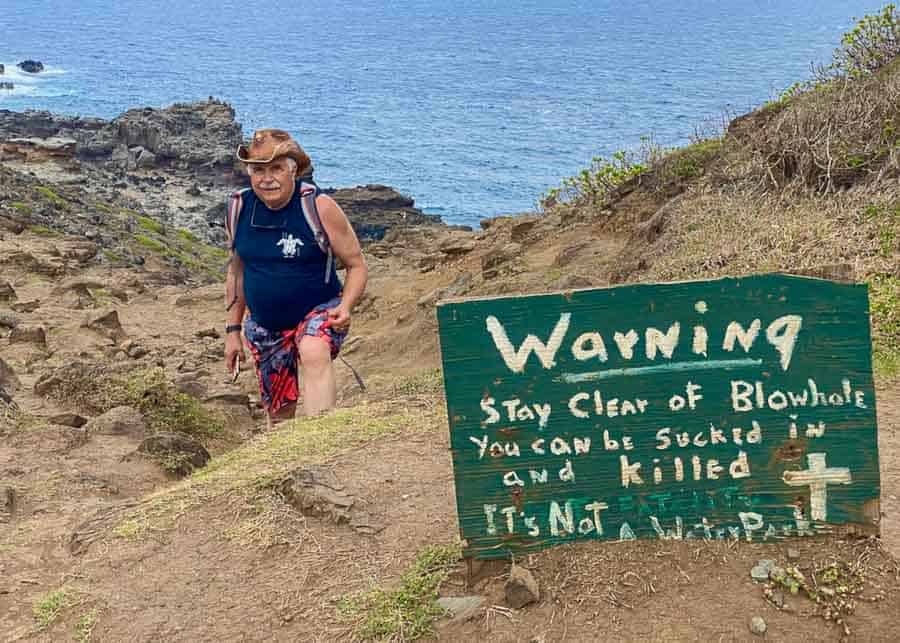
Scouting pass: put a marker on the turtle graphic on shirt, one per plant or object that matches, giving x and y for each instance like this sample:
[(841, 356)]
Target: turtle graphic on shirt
[(289, 245)]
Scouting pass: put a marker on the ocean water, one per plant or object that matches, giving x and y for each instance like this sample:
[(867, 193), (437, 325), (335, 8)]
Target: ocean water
[(472, 108)]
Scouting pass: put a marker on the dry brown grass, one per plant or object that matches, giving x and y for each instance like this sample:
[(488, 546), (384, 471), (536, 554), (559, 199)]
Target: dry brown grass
[(835, 135)]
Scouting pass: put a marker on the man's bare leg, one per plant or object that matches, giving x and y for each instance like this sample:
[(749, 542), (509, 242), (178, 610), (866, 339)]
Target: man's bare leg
[(319, 387), (286, 412)]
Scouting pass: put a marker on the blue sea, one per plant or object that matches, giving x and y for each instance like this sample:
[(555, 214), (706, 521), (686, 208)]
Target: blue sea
[(472, 108)]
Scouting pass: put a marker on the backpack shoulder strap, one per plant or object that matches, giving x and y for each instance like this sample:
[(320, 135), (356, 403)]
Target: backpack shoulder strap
[(235, 204), (308, 194)]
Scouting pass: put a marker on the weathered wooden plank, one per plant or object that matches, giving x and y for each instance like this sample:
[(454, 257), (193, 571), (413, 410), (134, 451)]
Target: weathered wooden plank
[(735, 408)]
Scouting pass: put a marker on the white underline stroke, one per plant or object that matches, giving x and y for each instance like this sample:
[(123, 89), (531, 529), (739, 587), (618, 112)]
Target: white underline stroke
[(575, 378)]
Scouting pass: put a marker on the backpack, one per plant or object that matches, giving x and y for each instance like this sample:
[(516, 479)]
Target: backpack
[(308, 193)]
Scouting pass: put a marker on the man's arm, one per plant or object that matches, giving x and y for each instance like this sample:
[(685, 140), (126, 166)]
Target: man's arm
[(346, 247), (235, 306)]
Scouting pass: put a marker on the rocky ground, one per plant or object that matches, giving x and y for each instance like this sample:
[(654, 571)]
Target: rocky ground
[(110, 318)]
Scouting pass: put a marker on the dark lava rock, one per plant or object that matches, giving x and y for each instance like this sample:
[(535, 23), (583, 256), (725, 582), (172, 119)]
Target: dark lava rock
[(108, 325), (521, 588), (28, 335), (178, 453), (69, 419), (6, 291), (31, 66), (8, 378)]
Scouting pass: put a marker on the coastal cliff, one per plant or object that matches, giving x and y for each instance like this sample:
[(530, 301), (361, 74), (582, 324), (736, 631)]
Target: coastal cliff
[(176, 165)]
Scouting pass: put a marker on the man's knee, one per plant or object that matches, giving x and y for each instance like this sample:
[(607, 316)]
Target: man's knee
[(314, 352)]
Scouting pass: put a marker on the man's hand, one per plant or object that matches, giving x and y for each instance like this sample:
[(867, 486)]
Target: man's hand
[(339, 316), (234, 351)]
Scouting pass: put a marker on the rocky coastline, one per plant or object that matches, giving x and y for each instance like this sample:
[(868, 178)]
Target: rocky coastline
[(175, 164)]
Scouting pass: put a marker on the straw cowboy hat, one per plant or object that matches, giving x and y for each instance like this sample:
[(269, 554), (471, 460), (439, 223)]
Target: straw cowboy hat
[(270, 144)]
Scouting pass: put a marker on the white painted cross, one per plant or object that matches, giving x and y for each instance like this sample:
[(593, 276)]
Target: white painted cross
[(818, 477)]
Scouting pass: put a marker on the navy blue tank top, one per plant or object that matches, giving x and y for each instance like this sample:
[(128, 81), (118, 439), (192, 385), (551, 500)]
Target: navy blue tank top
[(284, 268)]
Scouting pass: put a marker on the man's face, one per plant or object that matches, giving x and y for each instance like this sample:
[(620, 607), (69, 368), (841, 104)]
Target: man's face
[(273, 182)]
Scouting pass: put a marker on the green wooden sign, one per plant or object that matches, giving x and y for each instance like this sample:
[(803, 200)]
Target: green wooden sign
[(736, 408)]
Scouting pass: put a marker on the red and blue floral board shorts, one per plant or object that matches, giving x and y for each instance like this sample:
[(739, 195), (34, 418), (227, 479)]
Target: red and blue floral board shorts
[(276, 354)]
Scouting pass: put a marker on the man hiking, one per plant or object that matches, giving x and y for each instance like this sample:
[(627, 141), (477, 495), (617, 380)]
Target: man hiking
[(283, 233)]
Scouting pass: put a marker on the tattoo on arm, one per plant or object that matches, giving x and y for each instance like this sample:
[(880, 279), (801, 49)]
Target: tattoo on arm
[(231, 305)]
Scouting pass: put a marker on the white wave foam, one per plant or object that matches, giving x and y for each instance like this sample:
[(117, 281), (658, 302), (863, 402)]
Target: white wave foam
[(14, 74), (20, 90)]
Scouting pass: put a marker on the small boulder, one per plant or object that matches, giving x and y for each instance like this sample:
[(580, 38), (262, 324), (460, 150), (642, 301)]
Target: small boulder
[(6, 291), (461, 608), (9, 498), (457, 244), (569, 252), (29, 335), (315, 491), (8, 379), (761, 570), (521, 229), (491, 262), (191, 387), (107, 325), (776, 597), (208, 332), (82, 251), (145, 159), (121, 420), (7, 85), (428, 263), (8, 321), (68, 419), (758, 625), (31, 66), (26, 306), (521, 588), (229, 398), (136, 351), (46, 383), (181, 454)]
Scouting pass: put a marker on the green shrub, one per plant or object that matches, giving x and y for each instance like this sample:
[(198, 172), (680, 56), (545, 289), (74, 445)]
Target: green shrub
[(84, 628), (187, 235), (43, 231), (151, 244), (48, 607), (24, 208), (408, 611), (51, 196), (690, 161), (151, 224), (870, 45), (593, 185)]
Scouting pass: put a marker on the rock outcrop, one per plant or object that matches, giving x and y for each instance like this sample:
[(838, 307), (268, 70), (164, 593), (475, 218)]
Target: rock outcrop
[(38, 149), (200, 137), (180, 162), (31, 66)]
